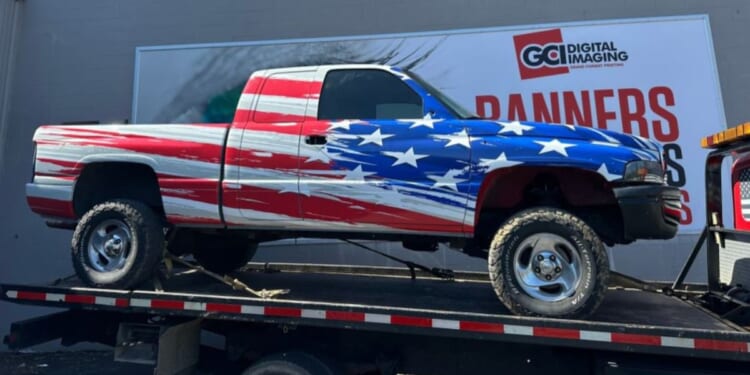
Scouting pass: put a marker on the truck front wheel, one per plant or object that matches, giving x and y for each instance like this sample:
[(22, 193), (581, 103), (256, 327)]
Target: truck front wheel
[(547, 262), (117, 244)]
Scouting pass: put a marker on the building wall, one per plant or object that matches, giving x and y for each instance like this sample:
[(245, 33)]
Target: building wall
[(9, 16), (74, 62)]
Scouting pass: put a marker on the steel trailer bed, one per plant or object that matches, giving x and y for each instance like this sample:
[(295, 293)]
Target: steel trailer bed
[(388, 301)]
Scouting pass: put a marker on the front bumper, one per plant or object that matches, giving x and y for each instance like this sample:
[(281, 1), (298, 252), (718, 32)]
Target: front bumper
[(649, 211)]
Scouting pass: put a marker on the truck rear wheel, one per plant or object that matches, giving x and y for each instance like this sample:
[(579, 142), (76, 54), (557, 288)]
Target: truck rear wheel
[(291, 363), (117, 244), (547, 262), (222, 254)]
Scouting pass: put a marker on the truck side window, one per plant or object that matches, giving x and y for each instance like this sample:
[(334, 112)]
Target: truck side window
[(367, 94)]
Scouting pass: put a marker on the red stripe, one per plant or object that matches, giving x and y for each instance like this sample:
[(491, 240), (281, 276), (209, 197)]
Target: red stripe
[(51, 207), (481, 327), (241, 116), (177, 219), (276, 161), (71, 168), (146, 144), (291, 88), (337, 209), (33, 296), (340, 210), (223, 307), (282, 311), (122, 302), (263, 200), (80, 298), (629, 338), (253, 85), (348, 316), (558, 333), (167, 304), (720, 345), (402, 320), (673, 212)]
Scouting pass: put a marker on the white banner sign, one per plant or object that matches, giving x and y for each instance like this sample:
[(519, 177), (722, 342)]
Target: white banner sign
[(651, 77)]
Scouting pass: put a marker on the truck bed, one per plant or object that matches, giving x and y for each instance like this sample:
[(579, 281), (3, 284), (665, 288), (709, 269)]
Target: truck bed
[(376, 299)]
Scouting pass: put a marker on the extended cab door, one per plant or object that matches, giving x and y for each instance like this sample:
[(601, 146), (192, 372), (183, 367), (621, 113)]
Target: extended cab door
[(262, 182), (373, 162)]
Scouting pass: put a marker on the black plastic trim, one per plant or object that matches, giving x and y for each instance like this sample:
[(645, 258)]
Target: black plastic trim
[(642, 208)]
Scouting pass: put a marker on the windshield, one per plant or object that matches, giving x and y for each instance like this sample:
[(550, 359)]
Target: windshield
[(451, 105)]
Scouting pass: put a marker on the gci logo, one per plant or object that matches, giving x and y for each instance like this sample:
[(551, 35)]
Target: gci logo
[(540, 54), (543, 53)]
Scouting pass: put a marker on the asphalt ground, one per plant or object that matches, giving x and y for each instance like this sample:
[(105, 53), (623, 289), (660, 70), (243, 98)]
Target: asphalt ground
[(85, 362), (99, 362)]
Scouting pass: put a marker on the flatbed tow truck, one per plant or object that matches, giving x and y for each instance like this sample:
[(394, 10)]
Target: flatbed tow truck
[(347, 319)]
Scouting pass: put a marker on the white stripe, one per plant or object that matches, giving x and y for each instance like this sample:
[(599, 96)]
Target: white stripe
[(313, 314), (678, 342), (247, 101), (601, 143), (305, 74), (252, 310), (106, 301), (446, 324), (378, 318), (518, 330), (596, 336), (12, 294), (187, 208), (273, 142), (56, 192), (195, 306), (276, 104), (138, 302), (54, 297), (175, 132), (50, 180), (261, 219), (163, 164)]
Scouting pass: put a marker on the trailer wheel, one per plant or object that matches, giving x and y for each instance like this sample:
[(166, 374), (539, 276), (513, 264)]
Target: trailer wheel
[(291, 363), (117, 244), (546, 262), (222, 254)]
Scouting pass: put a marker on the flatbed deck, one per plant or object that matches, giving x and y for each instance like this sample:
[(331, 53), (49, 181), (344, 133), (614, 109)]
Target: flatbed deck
[(367, 299)]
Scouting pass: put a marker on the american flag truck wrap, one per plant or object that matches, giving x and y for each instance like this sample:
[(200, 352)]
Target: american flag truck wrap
[(357, 151)]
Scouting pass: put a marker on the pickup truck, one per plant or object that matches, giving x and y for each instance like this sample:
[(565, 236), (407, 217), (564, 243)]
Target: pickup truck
[(356, 152)]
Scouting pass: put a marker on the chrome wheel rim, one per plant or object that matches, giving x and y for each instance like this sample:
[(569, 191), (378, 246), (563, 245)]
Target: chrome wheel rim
[(547, 267), (109, 245)]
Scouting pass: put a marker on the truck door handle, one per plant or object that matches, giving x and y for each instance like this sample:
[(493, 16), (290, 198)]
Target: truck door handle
[(316, 139)]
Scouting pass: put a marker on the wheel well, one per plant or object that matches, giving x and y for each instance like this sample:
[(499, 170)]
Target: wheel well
[(582, 192), (101, 182)]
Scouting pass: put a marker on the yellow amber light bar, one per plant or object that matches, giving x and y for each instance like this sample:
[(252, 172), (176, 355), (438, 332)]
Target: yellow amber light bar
[(725, 137)]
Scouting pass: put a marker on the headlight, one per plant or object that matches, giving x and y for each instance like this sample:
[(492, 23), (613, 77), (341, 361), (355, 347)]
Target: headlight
[(644, 171)]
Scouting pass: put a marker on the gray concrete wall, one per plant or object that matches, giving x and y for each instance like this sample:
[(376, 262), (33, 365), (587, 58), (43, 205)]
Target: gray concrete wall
[(9, 18), (74, 62)]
